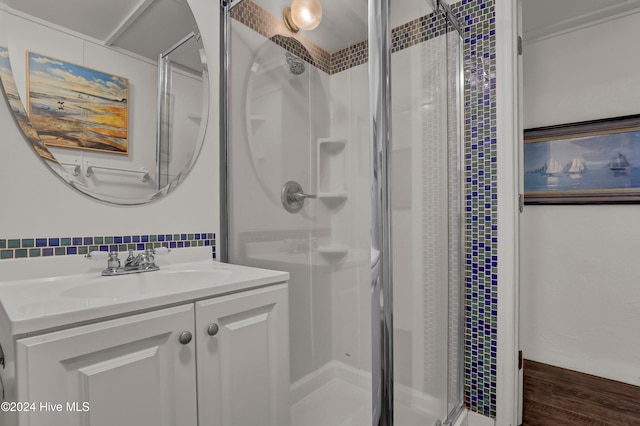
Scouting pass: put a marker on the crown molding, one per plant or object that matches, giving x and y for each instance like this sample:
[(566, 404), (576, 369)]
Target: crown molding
[(583, 21)]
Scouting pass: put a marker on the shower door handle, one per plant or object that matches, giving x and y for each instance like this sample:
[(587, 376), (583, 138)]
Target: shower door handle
[(293, 197)]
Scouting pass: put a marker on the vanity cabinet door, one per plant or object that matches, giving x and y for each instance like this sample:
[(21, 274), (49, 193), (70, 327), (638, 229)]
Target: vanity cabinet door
[(131, 371), (243, 358)]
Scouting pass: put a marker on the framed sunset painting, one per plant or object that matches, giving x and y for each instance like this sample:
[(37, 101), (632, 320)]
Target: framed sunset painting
[(13, 96), (72, 106), (588, 162)]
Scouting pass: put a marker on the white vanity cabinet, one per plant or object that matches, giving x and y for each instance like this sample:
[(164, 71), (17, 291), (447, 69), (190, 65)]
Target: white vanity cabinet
[(243, 369), (130, 371), (215, 361)]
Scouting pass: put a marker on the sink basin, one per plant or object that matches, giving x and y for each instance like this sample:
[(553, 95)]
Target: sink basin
[(136, 285), (45, 303)]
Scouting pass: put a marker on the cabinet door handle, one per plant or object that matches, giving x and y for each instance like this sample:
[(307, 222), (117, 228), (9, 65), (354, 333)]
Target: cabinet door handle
[(213, 329), (185, 337)]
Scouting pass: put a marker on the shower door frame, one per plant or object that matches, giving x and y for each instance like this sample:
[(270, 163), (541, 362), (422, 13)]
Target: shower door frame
[(381, 275), (381, 233), (380, 95)]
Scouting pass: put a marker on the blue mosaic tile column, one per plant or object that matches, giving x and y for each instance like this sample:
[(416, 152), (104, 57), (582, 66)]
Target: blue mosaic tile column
[(480, 244)]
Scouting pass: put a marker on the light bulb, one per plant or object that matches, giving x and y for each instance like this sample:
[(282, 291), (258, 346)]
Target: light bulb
[(306, 14)]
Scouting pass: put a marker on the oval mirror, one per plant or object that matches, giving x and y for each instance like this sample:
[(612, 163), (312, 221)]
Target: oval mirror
[(113, 96)]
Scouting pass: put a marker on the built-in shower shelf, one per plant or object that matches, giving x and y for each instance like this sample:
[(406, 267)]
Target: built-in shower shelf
[(332, 198), (332, 145), (333, 251), (257, 118), (196, 118)]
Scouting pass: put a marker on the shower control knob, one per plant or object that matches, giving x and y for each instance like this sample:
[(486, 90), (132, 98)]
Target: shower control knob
[(293, 197), (185, 337), (213, 329)]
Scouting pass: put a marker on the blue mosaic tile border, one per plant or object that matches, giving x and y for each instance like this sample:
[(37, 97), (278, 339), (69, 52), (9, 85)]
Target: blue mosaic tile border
[(20, 248), (402, 37), (481, 204)]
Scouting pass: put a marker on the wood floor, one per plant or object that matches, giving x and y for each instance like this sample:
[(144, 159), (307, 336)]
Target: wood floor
[(557, 397)]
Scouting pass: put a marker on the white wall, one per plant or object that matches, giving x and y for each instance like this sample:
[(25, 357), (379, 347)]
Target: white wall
[(580, 291), (35, 203)]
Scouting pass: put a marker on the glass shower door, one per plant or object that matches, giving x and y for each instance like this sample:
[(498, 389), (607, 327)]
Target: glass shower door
[(299, 111), (293, 118), (425, 211)]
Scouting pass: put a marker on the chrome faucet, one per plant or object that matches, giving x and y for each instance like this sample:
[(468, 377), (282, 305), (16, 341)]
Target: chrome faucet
[(142, 262)]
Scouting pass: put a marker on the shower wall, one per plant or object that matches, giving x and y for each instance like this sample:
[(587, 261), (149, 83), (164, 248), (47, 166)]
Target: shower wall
[(426, 225), (420, 250), (350, 113), (310, 128)]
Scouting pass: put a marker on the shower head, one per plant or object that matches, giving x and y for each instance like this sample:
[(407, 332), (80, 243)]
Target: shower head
[(296, 65)]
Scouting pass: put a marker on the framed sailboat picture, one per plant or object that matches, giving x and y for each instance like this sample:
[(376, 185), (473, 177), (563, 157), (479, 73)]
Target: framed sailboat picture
[(594, 161)]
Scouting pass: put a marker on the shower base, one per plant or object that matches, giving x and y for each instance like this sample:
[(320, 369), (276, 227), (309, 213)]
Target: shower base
[(336, 403), (339, 395)]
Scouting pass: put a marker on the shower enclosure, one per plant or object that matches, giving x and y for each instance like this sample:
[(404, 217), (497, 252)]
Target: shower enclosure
[(313, 130)]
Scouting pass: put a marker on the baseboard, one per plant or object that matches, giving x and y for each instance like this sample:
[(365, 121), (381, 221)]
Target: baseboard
[(627, 372)]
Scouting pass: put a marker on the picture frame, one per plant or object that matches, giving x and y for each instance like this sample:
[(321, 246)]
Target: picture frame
[(10, 89), (589, 162), (72, 106)]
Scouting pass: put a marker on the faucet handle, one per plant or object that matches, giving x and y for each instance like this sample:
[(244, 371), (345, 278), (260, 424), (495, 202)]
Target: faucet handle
[(113, 262)]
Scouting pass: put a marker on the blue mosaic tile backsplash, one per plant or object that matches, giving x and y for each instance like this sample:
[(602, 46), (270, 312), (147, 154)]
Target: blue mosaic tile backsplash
[(19, 248)]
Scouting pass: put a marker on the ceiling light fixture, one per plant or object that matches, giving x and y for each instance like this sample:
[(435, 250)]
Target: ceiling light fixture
[(302, 15)]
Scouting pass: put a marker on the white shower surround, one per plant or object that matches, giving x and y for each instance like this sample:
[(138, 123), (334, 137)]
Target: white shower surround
[(330, 308)]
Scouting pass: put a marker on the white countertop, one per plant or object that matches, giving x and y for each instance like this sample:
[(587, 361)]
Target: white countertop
[(30, 306)]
